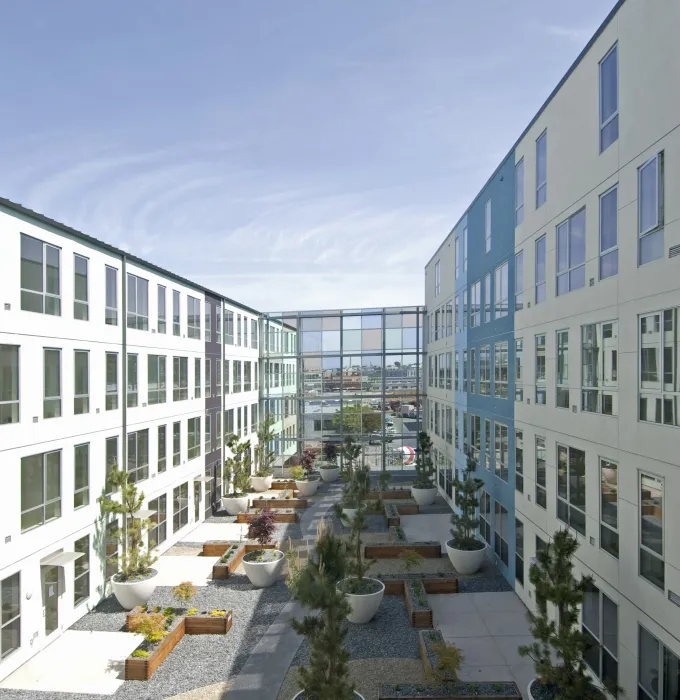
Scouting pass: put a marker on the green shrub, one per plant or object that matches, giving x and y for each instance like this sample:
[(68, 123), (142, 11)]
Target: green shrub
[(192, 612), (140, 654)]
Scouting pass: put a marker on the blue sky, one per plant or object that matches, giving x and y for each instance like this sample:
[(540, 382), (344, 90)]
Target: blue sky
[(290, 154)]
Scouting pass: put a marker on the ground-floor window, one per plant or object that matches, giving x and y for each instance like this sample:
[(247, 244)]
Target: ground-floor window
[(600, 619), (10, 623), (519, 551), (180, 511), (501, 532), (658, 669), (81, 571), (159, 532), (485, 516)]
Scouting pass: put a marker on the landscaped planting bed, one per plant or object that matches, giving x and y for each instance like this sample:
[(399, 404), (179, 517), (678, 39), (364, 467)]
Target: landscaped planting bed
[(399, 545), (392, 515), (229, 562), (217, 548), (282, 484), (391, 495), (274, 502), (286, 516), (419, 610), (437, 583)]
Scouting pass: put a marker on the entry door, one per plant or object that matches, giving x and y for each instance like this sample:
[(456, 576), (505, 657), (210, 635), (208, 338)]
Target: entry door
[(50, 577)]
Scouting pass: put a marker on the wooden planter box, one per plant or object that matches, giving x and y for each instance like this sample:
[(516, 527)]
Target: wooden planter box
[(143, 669), (392, 515), (417, 617), (386, 693), (432, 585), (285, 485), (279, 503), (408, 508), (244, 518), (392, 550), (216, 548), (399, 494), (204, 624), (253, 547)]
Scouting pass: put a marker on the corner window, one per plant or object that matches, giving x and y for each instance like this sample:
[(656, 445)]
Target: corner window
[(80, 288), (161, 309), (651, 209), (228, 327), (9, 384), (541, 499), (81, 381), (562, 378), (137, 303), (609, 99), (571, 487), (519, 192), (111, 309), (571, 253), (519, 280), (540, 269), (609, 236), (208, 322), (40, 489), (652, 565), (599, 368), (541, 169), (40, 277), (501, 291), (487, 226), (609, 507)]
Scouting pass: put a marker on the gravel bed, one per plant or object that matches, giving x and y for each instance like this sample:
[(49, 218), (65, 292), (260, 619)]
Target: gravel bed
[(418, 575), (550, 692), (451, 690), (388, 635), (374, 523), (484, 584)]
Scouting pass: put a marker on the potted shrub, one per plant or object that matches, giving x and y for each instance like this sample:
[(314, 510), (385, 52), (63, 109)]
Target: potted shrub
[(350, 451), (314, 586), (330, 470), (237, 471), (264, 457), (364, 594), (263, 566), (134, 583), (559, 649), (306, 482), (384, 479), (465, 551), (424, 490)]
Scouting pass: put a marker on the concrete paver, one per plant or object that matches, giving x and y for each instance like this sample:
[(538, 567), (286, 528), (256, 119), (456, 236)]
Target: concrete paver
[(174, 570)]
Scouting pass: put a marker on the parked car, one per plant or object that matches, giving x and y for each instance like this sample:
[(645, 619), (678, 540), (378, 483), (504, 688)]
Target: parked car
[(376, 438), (389, 420)]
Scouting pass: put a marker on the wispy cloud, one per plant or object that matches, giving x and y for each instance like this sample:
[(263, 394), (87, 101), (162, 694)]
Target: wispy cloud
[(579, 35)]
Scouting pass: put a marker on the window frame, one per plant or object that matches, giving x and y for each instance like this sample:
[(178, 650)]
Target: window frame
[(193, 436), (562, 387), (57, 397), (519, 281), (659, 225), (14, 365), (476, 304), (519, 192), (15, 620), (55, 299), (604, 122), (567, 500), (541, 184), (608, 252), (82, 304), (84, 490), (176, 443), (501, 385), (437, 278), (110, 312), (81, 569), (157, 395), (180, 378), (541, 492), (132, 376), (612, 530), (176, 313), (137, 320), (501, 304), (138, 470), (162, 448), (81, 401), (56, 501), (487, 225), (644, 548), (161, 309), (570, 268)]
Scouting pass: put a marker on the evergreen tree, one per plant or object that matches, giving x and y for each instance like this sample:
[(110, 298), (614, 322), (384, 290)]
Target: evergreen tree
[(350, 451), (238, 467), (264, 456), (314, 586), (465, 524), (424, 465), (558, 652)]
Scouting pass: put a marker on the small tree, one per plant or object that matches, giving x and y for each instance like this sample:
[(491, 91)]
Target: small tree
[(424, 465), (184, 592), (262, 527), (264, 456), (330, 452), (466, 524), (447, 667), (238, 466), (350, 451), (136, 559), (384, 479), (410, 559), (307, 462), (558, 652)]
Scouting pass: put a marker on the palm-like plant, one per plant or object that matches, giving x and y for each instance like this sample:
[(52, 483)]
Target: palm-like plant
[(264, 456)]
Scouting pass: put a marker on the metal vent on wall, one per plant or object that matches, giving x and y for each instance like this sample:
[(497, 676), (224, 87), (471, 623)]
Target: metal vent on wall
[(673, 251), (674, 597)]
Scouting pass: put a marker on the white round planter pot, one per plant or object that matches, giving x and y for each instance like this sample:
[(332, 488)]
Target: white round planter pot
[(261, 483), (299, 696), (263, 574), (424, 497), (234, 506), (307, 488), (350, 514), (364, 607), (466, 561), (531, 682), (329, 474), (130, 594)]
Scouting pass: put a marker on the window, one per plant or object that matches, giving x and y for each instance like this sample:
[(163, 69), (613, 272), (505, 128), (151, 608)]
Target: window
[(457, 312), (541, 169), (180, 506), (658, 669), (519, 280), (609, 237), (540, 370), (465, 371), (651, 209), (207, 376), (218, 430), (501, 450), (485, 516), (571, 253), (609, 99), (541, 499), (208, 434), (449, 319), (465, 308), (81, 571), (9, 384), (193, 318), (228, 423), (197, 377), (465, 249), (457, 255), (111, 548), (176, 444), (456, 434), (519, 551), (609, 507), (473, 370), (40, 277), (10, 623), (465, 433), (194, 438), (159, 532), (137, 303), (111, 309), (519, 375), (500, 385), (52, 383), (651, 530), (487, 226), (519, 192), (562, 378), (501, 291), (599, 368), (519, 460), (156, 372), (475, 304), (228, 328), (476, 436), (176, 327), (236, 366), (659, 361), (488, 440), (208, 322), (81, 382), (448, 370), (161, 309), (132, 388), (40, 489), (447, 419), (437, 278), (238, 329), (218, 377), (487, 298), (138, 456), (253, 333), (80, 291), (456, 376), (540, 269), (180, 379), (81, 485), (485, 370), (600, 625), (111, 462), (501, 533), (571, 487), (162, 448), (248, 368)]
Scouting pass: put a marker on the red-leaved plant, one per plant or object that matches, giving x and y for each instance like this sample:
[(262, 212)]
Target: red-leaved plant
[(307, 462), (262, 527)]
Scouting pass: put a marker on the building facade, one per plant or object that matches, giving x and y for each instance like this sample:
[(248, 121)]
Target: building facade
[(589, 390)]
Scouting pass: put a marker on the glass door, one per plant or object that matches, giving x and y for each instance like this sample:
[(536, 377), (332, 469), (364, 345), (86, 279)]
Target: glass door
[(50, 593), (197, 500)]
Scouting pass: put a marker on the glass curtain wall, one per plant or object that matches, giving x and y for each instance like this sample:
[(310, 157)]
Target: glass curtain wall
[(328, 374)]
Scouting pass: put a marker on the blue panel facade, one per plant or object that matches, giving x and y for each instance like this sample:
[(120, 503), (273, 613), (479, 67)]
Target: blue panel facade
[(486, 345)]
